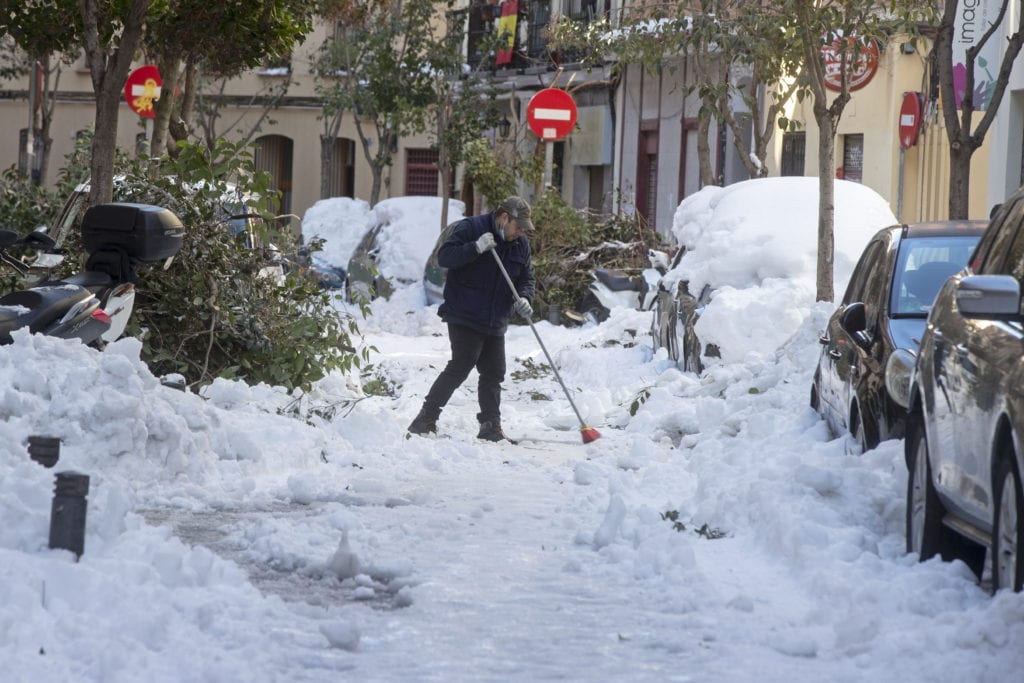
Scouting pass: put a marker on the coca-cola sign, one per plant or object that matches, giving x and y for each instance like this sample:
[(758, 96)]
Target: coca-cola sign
[(861, 56)]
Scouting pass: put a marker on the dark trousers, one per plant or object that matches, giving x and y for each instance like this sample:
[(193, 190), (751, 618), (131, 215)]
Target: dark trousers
[(471, 349)]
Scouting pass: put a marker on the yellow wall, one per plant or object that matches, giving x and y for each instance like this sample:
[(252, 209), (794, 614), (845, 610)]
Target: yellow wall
[(874, 112)]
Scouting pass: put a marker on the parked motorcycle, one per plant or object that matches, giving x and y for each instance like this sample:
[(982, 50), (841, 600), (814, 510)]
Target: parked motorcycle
[(95, 304), (631, 289)]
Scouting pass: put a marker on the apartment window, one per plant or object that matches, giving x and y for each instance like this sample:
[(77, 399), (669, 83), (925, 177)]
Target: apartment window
[(342, 180), (421, 172), (585, 10), (647, 173), (853, 158), (276, 66), (537, 26), (273, 154), (793, 145)]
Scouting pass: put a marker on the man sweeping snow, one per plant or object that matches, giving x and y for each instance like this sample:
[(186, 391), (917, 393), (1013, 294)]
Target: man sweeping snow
[(478, 304)]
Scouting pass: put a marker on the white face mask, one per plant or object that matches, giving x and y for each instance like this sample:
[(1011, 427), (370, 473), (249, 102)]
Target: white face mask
[(501, 232)]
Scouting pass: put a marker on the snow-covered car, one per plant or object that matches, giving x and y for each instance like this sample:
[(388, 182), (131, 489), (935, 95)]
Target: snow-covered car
[(736, 269), (394, 251), (883, 310), (331, 230)]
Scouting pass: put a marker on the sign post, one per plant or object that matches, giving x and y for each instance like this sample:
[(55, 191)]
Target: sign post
[(551, 114), (141, 90)]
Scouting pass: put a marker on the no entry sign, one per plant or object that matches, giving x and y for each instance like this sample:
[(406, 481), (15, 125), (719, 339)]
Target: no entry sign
[(551, 114), (910, 119), (142, 89)]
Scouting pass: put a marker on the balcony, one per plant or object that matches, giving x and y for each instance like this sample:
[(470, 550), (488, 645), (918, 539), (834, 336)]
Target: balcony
[(480, 21)]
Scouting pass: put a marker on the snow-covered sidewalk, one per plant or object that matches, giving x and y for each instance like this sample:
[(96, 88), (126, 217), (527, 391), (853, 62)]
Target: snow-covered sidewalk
[(714, 533)]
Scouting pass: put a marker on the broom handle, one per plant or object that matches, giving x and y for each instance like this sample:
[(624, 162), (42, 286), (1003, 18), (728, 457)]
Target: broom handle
[(511, 285)]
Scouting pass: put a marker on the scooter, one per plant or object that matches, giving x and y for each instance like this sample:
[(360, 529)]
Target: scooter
[(95, 304), (612, 288), (55, 308)]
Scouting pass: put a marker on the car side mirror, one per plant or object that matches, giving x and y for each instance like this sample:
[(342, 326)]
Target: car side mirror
[(854, 321), (854, 318), (988, 296)]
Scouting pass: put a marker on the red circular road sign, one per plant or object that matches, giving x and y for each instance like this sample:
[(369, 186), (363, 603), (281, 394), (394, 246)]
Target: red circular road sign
[(551, 114), (910, 119), (142, 89)]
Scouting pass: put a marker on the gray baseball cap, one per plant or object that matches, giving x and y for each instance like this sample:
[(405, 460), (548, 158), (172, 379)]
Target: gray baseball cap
[(519, 209)]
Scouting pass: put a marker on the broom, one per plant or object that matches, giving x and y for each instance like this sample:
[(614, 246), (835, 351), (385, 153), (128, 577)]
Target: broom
[(587, 433)]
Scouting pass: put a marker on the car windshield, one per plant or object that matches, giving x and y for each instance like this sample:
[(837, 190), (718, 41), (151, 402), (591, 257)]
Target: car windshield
[(923, 264)]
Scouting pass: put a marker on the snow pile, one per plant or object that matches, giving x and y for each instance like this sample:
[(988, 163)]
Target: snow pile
[(755, 243), (340, 222), (411, 226)]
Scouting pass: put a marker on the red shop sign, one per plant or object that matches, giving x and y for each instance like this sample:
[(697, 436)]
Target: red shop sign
[(861, 70)]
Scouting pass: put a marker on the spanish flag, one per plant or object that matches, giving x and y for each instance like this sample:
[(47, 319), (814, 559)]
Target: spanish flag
[(507, 30)]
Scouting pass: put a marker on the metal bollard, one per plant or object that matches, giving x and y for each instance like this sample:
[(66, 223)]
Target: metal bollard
[(45, 450), (554, 314), (67, 515)]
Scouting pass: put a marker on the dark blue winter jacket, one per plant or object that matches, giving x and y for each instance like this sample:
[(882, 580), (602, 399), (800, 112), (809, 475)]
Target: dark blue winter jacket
[(475, 291)]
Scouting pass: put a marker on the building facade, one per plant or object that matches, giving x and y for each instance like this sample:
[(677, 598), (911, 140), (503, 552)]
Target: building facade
[(634, 148)]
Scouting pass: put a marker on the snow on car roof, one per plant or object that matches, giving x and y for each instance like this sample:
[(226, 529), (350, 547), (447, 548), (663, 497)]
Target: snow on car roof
[(762, 263)]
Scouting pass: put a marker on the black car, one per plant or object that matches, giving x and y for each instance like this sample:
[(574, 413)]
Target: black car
[(965, 425), (884, 309)]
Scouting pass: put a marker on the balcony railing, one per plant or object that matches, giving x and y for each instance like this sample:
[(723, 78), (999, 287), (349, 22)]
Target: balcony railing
[(479, 21)]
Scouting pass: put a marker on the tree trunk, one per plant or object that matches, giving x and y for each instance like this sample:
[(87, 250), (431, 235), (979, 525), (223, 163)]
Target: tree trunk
[(446, 193), (169, 67), (376, 171), (326, 158), (178, 130), (707, 173), (104, 142), (442, 164), (959, 180), (188, 92), (826, 208), (109, 74), (754, 170), (48, 102)]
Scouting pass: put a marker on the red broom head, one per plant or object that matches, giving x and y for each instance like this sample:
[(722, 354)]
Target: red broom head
[(589, 434)]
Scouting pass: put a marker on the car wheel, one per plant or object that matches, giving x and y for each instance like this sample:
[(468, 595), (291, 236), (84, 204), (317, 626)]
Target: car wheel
[(815, 400), (1008, 535), (592, 309), (925, 534)]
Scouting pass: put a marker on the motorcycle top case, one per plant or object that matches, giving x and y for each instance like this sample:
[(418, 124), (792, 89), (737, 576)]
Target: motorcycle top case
[(144, 231)]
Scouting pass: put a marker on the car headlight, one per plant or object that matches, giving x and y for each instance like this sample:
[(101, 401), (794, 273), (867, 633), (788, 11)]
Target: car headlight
[(898, 371)]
